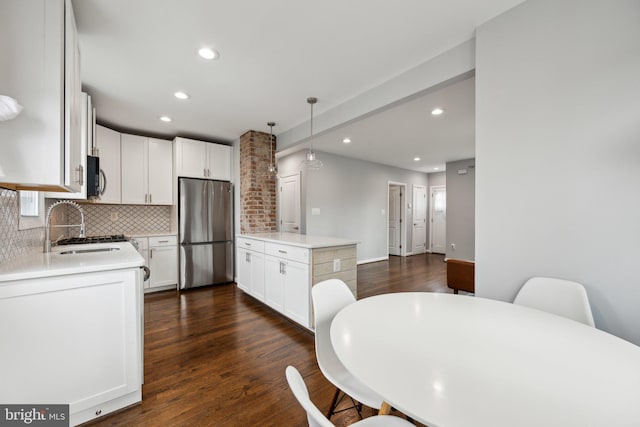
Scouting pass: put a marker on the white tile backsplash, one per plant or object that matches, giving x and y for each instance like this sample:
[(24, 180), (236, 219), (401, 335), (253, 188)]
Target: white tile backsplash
[(14, 242), (99, 220)]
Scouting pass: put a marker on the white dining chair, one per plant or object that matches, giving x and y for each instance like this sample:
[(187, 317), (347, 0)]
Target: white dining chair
[(329, 297), (317, 419), (557, 296)]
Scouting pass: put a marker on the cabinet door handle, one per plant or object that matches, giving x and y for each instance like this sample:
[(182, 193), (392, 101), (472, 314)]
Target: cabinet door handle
[(247, 257), (247, 244), (150, 195), (103, 188), (284, 268), (80, 171), (282, 252), (150, 253), (163, 241), (146, 197)]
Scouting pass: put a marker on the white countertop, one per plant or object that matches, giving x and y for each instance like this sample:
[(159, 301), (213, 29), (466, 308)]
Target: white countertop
[(301, 240), (38, 264)]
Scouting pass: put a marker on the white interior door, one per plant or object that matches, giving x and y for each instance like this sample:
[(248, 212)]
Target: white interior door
[(290, 204), (395, 220), (438, 210), (419, 234)]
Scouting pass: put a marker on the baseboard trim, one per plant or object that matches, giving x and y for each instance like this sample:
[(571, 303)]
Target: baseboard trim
[(367, 261)]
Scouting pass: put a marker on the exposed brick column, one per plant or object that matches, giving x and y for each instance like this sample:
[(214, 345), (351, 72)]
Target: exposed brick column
[(257, 186)]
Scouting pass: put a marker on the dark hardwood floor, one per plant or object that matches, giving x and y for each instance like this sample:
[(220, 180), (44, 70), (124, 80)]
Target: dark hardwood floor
[(216, 357)]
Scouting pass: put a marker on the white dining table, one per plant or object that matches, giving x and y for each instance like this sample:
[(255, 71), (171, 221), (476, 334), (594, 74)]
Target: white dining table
[(459, 361)]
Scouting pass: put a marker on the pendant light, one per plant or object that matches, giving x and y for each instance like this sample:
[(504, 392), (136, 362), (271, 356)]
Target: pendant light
[(273, 170), (310, 161)]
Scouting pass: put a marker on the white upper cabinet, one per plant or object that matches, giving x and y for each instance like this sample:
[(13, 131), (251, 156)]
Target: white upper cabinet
[(147, 170), (199, 159), (108, 144), (219, 157), (73, 106), (160, 172), (40, 68), (87, 123), (134, 169)]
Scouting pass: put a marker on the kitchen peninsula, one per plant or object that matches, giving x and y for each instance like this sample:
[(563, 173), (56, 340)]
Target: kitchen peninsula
[(279, 269), (71, 324)]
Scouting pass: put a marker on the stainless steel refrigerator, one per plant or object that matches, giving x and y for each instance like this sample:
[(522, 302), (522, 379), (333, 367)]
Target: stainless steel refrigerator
[(205, 216)]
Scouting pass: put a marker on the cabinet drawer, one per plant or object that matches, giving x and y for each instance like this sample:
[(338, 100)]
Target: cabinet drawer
[(293, 253), (163, 241), (254, 245)]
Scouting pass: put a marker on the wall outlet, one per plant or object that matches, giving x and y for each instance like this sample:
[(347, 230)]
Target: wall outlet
[(114, 216), (315, 211), (453, 246), (336, 265)]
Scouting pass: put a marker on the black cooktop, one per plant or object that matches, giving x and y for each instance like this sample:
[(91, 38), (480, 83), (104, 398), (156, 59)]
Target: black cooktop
[(93, 239)]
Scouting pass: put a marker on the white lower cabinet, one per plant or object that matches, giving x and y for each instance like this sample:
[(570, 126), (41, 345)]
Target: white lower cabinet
[(274, 292), (160, 254), (287, 288), (251, 272), (277, 275), (74, 339), (163, 261)]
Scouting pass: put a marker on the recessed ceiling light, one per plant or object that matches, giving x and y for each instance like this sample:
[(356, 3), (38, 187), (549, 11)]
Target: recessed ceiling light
[(208, 53), (436, 169), (346, 140), (166, 119), (437, 111), (416, 159), (181, 95)]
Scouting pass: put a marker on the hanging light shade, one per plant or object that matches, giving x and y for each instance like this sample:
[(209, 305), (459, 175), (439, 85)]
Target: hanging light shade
[(9, 108), (273, 170), (311, 161)]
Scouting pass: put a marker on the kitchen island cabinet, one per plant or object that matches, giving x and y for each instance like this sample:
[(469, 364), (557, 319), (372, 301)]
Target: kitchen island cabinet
[(284, 266), (72, 325), (251, 269)]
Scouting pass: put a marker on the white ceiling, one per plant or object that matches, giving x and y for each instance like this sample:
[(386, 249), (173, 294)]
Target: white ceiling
[(273, 55), (400, 133)]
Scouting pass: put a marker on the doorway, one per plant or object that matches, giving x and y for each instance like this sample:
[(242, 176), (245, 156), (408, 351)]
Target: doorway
[(438, 223), (289, 209), (396, 223), (419, 230)]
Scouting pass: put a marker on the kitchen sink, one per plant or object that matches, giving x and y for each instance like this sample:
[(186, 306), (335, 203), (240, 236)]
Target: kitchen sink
[(86, 251)]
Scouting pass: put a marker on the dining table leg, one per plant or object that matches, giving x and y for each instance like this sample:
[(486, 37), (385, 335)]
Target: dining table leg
[(385, 409)]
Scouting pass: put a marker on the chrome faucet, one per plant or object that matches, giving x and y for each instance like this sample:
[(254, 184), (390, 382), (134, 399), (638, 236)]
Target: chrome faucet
[(47, 228)]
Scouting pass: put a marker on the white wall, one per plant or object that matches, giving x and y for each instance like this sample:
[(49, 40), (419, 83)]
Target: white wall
[(351, 195), (461, 209), (437, 178), (558, 153)]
